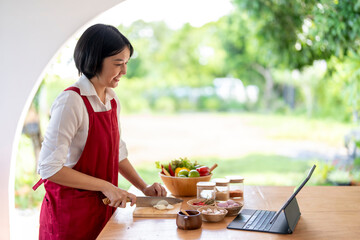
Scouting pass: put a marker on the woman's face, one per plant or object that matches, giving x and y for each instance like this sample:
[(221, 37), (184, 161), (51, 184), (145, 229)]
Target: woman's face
[(113, 68)]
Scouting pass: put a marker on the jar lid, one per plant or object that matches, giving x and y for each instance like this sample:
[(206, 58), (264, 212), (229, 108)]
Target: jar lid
[(221, 181), (235, 179), (206, 185)]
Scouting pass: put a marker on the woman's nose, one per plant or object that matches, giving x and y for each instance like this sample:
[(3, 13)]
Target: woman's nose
[(124, 69)]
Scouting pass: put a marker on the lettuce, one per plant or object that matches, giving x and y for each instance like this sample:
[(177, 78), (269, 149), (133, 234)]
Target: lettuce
[(180, 162)]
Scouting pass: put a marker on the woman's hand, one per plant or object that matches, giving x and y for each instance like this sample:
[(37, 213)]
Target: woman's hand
[(155, 190), (118, 197)]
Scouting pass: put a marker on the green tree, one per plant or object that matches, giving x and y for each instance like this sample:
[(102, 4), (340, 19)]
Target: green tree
[(292, 35), (194, 56), (334, 28), (335, 34), (147, 40)]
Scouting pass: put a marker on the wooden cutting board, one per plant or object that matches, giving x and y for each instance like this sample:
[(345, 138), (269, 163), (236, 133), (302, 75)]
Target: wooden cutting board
[(150, 212)]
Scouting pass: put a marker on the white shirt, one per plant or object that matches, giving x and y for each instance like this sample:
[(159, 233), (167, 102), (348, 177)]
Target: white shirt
[(67, 131)]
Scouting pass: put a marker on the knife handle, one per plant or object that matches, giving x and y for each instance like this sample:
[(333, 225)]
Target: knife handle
[(107, 201)]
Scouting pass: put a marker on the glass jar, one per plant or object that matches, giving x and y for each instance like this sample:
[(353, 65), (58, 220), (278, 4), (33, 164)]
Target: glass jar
[(221, 189), (236, 186), (206, 190)]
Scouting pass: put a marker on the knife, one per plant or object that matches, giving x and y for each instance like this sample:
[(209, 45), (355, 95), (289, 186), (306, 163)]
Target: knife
[(149, 201)]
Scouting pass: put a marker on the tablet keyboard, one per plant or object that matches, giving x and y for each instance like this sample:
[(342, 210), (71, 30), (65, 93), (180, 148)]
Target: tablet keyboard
[(260, 220)]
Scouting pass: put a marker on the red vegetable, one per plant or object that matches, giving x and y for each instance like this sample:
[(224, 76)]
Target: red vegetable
[(171, 171), (204, 171)]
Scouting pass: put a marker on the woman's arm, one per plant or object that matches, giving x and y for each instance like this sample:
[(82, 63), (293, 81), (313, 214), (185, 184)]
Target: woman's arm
[(128, 171), (66, 120), (71, 178)]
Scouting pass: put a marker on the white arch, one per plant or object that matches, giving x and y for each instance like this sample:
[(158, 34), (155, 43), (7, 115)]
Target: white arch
[(31, 32)]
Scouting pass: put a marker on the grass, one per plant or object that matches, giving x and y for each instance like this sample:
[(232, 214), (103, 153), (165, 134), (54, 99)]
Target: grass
[(300, 128)]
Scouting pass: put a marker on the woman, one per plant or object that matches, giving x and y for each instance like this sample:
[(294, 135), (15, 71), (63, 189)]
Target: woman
[(82, 151)]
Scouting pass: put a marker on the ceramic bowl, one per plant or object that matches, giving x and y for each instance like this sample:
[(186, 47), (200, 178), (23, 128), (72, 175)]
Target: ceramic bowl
[(211, 217), (232, 211), (183, 187)]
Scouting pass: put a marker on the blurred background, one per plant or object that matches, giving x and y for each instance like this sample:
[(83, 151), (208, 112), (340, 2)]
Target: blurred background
[(263, 88)]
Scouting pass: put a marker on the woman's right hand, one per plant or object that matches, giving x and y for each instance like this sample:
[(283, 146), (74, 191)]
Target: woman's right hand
[(117, 196)]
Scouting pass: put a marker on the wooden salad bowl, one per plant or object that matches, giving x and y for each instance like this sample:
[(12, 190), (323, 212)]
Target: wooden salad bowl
[(183, 187)]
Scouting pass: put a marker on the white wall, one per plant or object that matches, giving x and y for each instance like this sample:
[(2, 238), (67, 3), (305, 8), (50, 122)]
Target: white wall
[(31, 32)]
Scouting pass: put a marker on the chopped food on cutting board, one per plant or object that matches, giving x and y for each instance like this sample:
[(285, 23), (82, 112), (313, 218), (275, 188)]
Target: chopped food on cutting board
[(163, 205)]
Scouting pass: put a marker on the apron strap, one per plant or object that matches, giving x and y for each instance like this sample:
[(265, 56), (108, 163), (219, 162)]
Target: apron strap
[(85, 99), (113, 104), (75, 89), (38, 184)]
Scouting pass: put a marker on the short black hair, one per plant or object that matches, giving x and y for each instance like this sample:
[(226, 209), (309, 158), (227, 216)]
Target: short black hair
[(96, 43)]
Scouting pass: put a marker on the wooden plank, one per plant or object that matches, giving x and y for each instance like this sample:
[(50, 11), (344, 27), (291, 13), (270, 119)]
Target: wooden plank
[(150, 212), (326, 213)]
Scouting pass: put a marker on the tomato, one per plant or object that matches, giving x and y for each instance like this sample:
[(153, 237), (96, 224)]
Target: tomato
[(204, 171)]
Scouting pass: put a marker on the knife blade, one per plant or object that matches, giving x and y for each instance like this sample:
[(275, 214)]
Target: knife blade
[(149, 201)]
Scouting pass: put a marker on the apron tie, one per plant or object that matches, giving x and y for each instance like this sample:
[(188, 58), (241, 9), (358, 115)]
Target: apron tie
[(38, 184)]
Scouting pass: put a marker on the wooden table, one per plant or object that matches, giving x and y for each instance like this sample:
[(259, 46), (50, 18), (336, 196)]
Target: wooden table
[(327, 212)]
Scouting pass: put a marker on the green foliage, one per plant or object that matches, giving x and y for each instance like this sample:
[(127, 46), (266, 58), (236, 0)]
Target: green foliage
[(178, 163), (348, 77), (147, 40), (209, 103), (131, 93), (320, 28), (339, 176), (173, 58), (26, 177), (277, 25), (287, 35), (165, 105), (260, 42), (322, 171), (335, 27), (308, 83), (355, 174), (54, 85), (357, 160)]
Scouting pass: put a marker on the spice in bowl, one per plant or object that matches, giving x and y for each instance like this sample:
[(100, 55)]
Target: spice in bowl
[(200, 202), (231, 206), (212, 213)]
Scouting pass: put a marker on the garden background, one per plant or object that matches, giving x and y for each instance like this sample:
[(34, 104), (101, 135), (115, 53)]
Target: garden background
[(265, 91)]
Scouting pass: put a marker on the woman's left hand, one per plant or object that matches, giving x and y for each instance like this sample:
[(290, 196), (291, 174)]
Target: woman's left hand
[(155, 190)]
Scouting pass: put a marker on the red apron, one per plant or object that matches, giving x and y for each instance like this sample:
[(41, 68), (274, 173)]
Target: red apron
[(69, 213)]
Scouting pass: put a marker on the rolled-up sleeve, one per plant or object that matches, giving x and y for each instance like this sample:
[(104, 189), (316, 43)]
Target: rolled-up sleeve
[(123, 152)]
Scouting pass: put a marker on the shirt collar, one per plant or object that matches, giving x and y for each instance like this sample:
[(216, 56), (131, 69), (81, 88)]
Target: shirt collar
[(87, 88)]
